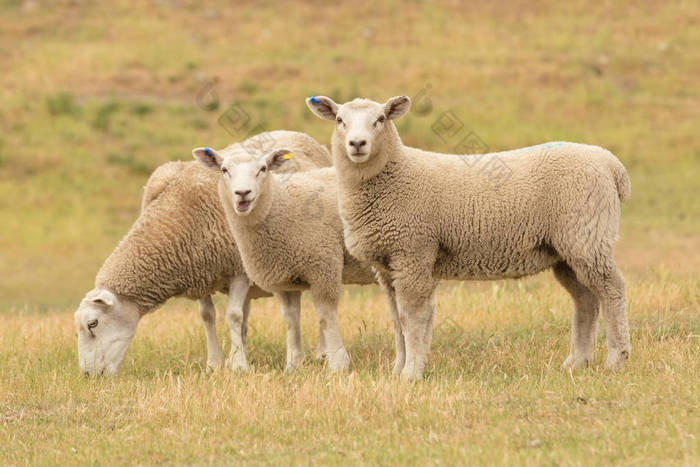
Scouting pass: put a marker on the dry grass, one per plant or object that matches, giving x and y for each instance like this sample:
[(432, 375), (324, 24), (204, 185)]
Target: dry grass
[(95, 95), (494, 391)]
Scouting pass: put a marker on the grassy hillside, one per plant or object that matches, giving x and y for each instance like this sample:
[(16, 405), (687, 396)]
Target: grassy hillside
[(94, 99), (96, 95)]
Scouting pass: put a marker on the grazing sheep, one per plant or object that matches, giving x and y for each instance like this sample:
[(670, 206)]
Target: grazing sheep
[(179, 246), (418, 217), (290, 238)]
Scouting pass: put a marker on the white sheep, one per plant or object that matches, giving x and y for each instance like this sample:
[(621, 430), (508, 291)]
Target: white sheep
[(180, 245), (290, 238), (419, 217)]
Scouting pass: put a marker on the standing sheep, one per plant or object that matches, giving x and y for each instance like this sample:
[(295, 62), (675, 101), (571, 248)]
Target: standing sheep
[(290, 238), (179, 246), (418, 217)]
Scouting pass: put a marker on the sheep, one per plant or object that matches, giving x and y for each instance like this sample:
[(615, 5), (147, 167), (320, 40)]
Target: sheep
[(418, 217), (179, 246), (290, 238)]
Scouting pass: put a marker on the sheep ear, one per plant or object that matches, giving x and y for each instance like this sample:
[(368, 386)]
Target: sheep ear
[(397, 107), (208, 158), (323, 107), (277, 158), (102, 297)]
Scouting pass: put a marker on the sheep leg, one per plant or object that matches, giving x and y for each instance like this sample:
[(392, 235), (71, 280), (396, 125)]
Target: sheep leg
[(414, 297), (390, 293), (327, 311), (291, 308), (236, 319), (432, 305), (617, 328), (584, 321), (322, 349), (208, 313), (415, 315), (606, 281), (244, 325)]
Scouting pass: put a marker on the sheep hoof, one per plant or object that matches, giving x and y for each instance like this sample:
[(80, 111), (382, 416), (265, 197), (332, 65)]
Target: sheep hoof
[(574, 363), (411, 372), (240, 367), (616, 360), (214, 360), (239, 363), (214, 365), (339, 361), (398, 366), (293, 362), (408, 376), (320, 355)]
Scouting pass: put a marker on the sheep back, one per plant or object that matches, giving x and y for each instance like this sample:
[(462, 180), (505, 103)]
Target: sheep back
[(181, 244), (489, 216)]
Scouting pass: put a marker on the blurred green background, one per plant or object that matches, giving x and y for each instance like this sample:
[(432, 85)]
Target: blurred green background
[(94, 96)]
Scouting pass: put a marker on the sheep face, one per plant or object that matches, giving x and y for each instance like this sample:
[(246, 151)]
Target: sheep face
[(105, 325), (359, 124), (245, 176)]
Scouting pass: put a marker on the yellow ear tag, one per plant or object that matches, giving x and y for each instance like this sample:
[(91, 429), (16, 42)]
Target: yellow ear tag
[(287, 156)]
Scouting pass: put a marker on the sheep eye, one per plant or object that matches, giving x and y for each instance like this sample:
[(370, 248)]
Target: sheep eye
[(224, 170), (381, 119), (263, 169), (92, 324), (339, 120)]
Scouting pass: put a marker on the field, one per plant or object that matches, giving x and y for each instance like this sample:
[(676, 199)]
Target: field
[(93, 98)]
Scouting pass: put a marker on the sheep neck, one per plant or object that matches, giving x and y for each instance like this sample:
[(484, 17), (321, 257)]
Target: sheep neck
[(123, 272), (179, 245)]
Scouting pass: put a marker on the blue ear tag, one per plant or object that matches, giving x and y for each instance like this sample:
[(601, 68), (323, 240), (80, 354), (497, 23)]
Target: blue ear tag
[(314, 100), (207, 151)]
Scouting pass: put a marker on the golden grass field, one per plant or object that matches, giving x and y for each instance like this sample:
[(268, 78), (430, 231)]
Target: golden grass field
[(94, 97)]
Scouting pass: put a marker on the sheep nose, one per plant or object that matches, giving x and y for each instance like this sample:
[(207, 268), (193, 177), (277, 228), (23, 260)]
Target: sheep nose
[(242, 193), (358, 143)]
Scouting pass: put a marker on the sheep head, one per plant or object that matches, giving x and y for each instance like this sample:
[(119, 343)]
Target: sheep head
[(244, 175), (361, 125), (105, 324)]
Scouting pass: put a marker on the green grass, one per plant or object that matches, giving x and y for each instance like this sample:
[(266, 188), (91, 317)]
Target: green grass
[(94, 97)]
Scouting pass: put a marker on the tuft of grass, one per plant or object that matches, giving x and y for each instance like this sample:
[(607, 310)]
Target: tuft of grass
[(248, 87), (62, 103), (141, 109), (103, 115), (200, 124), (211, 105)]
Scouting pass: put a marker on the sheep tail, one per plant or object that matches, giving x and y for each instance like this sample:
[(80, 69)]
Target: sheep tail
[(622, 180)]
